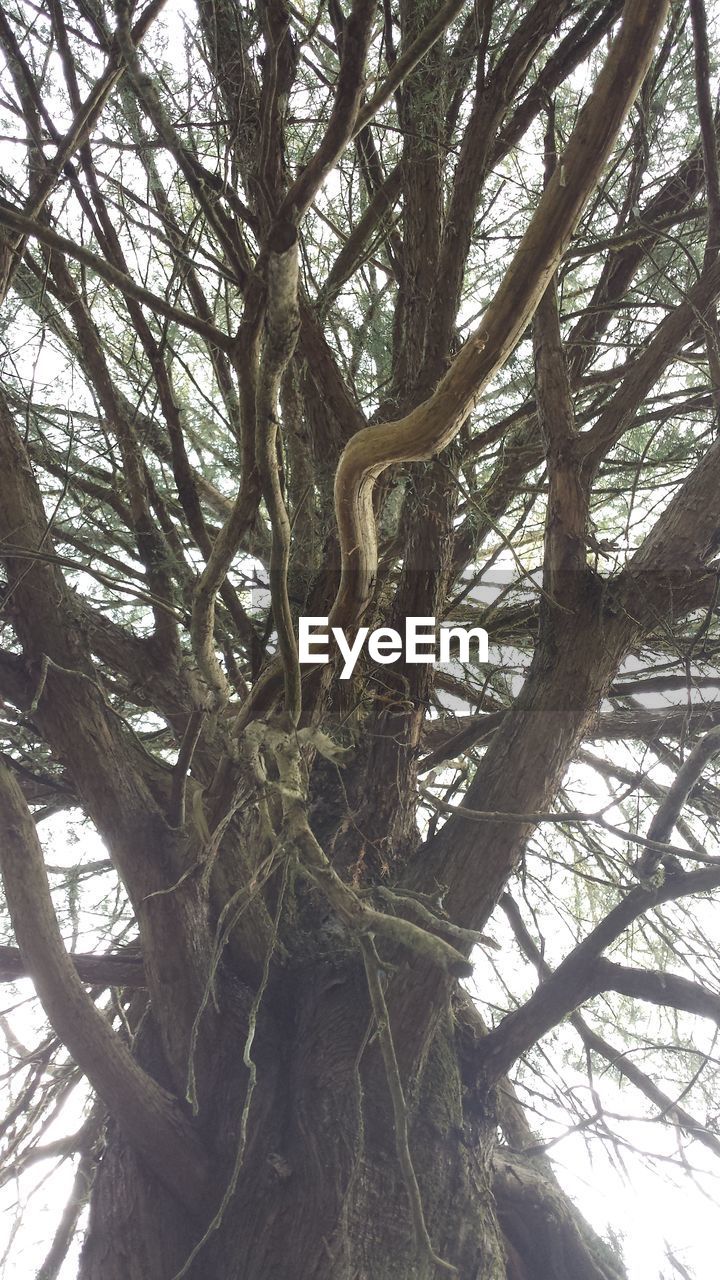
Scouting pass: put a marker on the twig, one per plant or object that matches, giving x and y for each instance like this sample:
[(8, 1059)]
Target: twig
[(572, 817)]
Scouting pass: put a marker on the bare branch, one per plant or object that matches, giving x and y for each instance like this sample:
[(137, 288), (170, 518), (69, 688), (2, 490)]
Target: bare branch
[(431, 427), (148, 1114), (574, 980), (97, 970), (12, 218), (668, 812)]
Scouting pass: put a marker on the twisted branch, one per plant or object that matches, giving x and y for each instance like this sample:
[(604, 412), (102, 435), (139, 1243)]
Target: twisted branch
[(429, 428)]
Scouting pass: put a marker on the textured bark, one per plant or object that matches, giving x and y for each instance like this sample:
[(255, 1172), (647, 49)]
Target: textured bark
[(320, 1195)]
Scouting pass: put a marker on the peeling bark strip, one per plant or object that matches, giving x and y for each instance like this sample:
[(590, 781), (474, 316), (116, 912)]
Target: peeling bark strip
[(428, 429)]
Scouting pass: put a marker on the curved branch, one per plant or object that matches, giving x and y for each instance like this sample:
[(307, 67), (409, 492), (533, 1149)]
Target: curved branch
[(669, 811), (577, 977), (430, 428), (148, 1114)]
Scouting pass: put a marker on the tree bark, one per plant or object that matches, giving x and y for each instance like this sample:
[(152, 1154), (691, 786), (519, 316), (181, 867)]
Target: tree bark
[(320, 1195)]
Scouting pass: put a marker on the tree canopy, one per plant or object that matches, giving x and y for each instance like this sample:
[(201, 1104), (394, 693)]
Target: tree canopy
[(357, 311)]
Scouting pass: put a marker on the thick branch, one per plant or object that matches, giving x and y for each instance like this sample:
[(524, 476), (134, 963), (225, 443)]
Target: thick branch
[(574, 980), (96, 970), (150, 1117), (431, 427)]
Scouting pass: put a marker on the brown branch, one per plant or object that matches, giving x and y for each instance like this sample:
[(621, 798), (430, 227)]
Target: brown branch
[(668, 569), (322, 367), (698, 17), (543, 1227), (96, 970), (343, 116), (122, 788), (13, 218), (669, 810), (537, 1216), (149, 1116), (617, 1058), (406, 63), (430, 428), (573, 49), (574, 980), (642, 723), (638, 779), (181, 768), (526, 36), (647, 725), (656, 987), (666, 1105), (467, 733), (654, 358), (354, 249)]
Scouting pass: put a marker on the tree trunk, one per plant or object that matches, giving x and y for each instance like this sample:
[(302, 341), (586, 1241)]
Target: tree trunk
[(320, 1195)]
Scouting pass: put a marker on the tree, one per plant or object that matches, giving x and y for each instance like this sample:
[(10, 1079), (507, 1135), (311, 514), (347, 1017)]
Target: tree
[(359, 312)]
